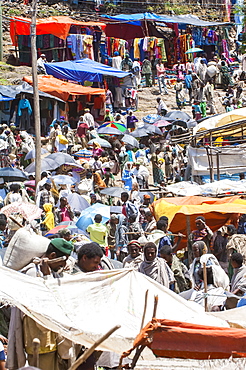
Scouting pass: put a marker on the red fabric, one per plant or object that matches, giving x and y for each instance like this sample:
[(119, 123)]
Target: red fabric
[(61, 89), (124, 31), (57, 26)]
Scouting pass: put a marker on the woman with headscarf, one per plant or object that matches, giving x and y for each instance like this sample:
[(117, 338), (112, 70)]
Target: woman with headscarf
[(98, 182), (121, 240), (156, 268), (135, 256), (49, 221), (180, 97), (97, 150), (127, 176), (225, 76), (202, 233), (131, 120), (158, 174)]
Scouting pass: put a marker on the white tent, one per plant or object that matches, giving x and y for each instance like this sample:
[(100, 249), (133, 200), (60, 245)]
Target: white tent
[(83, 307)]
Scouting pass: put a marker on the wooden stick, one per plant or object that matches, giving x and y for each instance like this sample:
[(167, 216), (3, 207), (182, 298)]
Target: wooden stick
[(36, 346), (90, 350), (139, 350), (145, 308), (205, 286), (155, 306), (14, 220)]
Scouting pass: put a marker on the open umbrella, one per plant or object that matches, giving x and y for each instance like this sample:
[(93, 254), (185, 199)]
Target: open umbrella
[(32, 153), (109, 131), (102, 142), (88, 214), (63, 179), (118, 125), (175, 115), (70, 225), (151, 118), (28, 210), (47, 164), (193, 50), (10, 174), (114, 191), (152, 129), (83, 153), (180, 123), (162, 123), (61, 158), (128, 139), (142, 193), (77, 202), (140, 132)]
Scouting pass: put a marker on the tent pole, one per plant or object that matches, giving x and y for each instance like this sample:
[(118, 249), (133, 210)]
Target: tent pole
[(205, 286), (218, 165), (188, 233), (35, 94), (90, 350)]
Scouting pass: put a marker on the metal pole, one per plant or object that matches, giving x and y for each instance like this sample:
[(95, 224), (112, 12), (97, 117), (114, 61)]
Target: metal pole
[(205, 286), (1, 32), (35, 93)]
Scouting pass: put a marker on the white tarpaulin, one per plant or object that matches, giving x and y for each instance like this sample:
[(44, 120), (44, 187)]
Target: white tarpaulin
[(231, 160), (236, 317), (221, 120), (83, 307)]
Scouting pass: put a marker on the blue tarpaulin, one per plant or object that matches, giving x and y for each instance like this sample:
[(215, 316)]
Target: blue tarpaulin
[(181, 19), (82, 70)]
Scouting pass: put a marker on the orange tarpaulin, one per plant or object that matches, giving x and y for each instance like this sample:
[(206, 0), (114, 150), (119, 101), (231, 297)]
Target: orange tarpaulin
[(57, 26), (61, 89), (217, 212), (167, 338)]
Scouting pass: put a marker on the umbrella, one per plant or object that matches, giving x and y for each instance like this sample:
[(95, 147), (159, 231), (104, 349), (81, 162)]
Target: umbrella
[(151, 118), (128, 139), (61, 158), (70, 225), (84, 153), (117, 125), (180, 123), (162, 123), (115, 209), (102, 142), (114, 191), (47, 164), (193, 50), (12, 174), (63, 179), (140, 132), (142, 193), (109, 131), (31, 183), (152, 129), (88, 214), (177, 115), (77, 202), (32, 153), (28, 210)]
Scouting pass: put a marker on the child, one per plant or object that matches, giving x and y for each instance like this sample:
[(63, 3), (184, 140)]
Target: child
[(196, 110)]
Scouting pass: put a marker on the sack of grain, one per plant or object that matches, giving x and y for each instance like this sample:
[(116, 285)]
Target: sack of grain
[(23, 247)]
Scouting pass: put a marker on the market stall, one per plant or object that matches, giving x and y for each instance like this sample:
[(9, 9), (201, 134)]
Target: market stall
[(77, 97), (59, 38)]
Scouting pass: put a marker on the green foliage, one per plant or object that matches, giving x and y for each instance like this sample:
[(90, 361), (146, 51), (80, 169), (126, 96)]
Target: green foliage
[(3, 81), (13, 11)]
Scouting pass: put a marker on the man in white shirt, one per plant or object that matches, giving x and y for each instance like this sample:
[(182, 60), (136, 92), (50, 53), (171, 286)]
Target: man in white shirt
[(161, 107), (88, 118), (40, 64)]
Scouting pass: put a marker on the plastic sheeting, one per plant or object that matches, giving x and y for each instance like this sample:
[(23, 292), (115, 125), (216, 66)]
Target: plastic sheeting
[(62, 89), (57, 26), (219, 120), (83, 307), (82, 70), (232, 159)]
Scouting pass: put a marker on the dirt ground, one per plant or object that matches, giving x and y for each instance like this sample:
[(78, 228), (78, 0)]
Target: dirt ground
[(148, 95)]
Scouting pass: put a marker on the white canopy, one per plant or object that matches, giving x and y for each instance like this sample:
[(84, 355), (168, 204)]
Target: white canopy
[(83, 307)]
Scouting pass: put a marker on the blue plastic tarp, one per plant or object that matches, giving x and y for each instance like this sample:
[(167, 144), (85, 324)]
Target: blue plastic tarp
[(82, 70), (181, 19)]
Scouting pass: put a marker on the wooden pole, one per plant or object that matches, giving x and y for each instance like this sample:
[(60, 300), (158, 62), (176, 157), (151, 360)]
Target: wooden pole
[(90, 350), (218, 165), (205, 286), (36, 346), (145, 308), (155, 306), (1, 32), (35, 94)]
